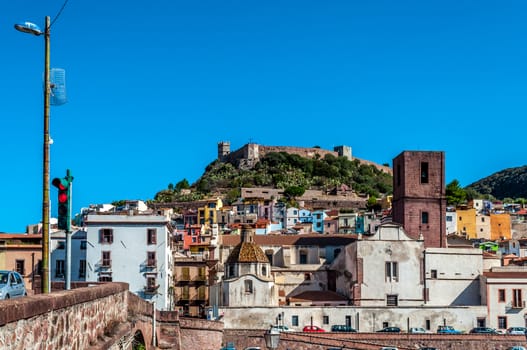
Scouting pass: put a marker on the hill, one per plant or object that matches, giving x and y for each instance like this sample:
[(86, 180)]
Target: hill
[(508, 183), (283, 170)]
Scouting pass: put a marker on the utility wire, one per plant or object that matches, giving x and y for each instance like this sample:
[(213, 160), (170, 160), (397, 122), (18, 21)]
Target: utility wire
[(58, 14)]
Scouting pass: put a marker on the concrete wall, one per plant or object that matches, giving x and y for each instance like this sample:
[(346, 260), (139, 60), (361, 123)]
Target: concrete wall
[(364, 319)]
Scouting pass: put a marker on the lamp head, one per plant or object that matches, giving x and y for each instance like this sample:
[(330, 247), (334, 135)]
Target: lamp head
[(28, 27)]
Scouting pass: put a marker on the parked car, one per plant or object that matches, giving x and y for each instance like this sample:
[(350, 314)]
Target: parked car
[(447, 330), (342, 328), (313, 329), (281, 328), (428, 348), (483, 330), (229, 346), (253, 348), (516, 330), (418, 330), (389, 348), (517, 347), (390, 330), (11, 285)]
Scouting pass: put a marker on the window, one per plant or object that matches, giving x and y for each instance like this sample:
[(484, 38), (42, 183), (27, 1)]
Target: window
[(427, 324), (449, 219), (424, 217), (336, 252), (481, 322), (106, 236), (325, 319), (424, 172), (151, 236), (185, 293), (151, 283), (39, 268), (307, 276), (150, 258), (61, 245), (185, 274), (83, 245), (502, 322), (482, 219), (269, 254), (19, 267), (59, 268), (391, 271), (294, 321), (391, 300), (202, 273), (202, 293), (303, 257), (433, 274), (106, 259), (82, 269), (264, 271), (516, 298), (248, 286)]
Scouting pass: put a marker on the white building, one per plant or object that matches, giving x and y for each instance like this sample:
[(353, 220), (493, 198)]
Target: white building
[(58, 263), (247, 280), (504, 291), (134, 249)]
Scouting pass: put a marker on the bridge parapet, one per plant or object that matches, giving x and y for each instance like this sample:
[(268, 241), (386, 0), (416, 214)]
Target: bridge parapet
[(71, 319)]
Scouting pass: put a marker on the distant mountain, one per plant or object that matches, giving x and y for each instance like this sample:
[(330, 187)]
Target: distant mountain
[(508, 183)]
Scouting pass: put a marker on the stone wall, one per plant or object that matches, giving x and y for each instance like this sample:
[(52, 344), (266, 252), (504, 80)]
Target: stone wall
[(201, 334), (72, 319)]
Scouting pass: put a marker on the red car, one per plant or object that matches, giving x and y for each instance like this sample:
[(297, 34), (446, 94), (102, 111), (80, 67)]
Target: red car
[(312, 329)]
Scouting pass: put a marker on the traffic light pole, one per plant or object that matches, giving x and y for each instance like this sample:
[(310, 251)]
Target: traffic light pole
[(64, 187), (67, 281)]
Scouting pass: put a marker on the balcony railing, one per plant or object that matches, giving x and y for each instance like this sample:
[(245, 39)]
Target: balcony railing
[(151, 289), (106, 263)]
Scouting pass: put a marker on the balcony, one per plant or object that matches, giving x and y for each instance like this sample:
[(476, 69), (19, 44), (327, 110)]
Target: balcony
[(151, 263), (150, 290)]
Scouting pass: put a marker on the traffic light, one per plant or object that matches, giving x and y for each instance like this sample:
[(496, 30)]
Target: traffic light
[(64, 187)]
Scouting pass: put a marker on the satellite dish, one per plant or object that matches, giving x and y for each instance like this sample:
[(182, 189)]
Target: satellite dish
[(57, 77)]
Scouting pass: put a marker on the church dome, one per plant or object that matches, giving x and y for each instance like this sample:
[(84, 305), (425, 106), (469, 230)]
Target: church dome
[(246, 252)]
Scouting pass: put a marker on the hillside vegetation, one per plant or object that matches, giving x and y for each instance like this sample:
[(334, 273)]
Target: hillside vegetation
[(508, 183), (290, 172)]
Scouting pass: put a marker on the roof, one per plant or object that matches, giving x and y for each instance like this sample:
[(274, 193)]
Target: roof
[(314, 239), (246, 252)]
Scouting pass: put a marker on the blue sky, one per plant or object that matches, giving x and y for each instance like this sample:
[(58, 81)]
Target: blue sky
[(153, 86)]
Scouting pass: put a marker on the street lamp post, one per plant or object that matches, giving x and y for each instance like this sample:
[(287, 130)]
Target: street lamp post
[(31, 28), (272, 338)]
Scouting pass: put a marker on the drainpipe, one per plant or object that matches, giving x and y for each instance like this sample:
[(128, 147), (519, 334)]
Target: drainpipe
[(154, 340)]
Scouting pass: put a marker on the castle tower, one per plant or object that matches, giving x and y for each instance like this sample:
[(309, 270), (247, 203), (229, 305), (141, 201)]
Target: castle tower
[(224, 149), (343, 151), (419, 200)]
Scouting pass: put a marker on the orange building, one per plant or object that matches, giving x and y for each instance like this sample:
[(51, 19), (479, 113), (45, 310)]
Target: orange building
[(500, 226), (22, 253)]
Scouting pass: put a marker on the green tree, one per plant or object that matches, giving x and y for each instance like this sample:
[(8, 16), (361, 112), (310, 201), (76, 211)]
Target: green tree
[(183, 184), (455, 195), (294, 191)]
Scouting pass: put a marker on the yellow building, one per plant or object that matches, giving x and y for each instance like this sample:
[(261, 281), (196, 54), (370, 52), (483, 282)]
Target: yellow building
[(500, 226), (207, 213), (466, 222)]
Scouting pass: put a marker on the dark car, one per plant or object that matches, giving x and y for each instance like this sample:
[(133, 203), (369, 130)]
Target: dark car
[(390, 330), (483, 330), (343, 328), (447, 330)]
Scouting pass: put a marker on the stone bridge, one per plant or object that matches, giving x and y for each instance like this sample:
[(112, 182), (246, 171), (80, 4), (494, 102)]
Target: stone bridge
[(108, 316), (103, 316)]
